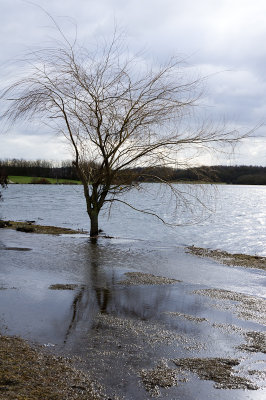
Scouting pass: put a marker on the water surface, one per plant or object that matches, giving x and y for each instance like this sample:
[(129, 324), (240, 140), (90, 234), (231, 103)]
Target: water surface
[(117, 330)]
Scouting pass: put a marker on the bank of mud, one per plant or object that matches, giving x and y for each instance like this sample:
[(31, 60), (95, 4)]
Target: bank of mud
[(237, 259), (29, 373), (31, 227)]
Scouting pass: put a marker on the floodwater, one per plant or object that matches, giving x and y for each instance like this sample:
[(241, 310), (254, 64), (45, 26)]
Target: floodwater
[(237, 223), (116, 330)]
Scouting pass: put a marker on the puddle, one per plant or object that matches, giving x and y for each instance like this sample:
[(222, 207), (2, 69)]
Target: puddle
[(122, 312), (245, 306)]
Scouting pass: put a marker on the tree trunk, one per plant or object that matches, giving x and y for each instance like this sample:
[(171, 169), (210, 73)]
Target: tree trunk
[(94, 224)]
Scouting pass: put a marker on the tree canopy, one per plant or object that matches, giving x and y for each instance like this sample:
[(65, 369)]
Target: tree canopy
[(116, 111)]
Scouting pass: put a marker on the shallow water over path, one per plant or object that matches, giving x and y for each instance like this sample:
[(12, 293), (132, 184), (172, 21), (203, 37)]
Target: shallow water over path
[(116, 330)]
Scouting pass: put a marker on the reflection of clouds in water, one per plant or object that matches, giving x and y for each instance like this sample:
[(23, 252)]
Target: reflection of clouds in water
[(114, 328), (101, 294)]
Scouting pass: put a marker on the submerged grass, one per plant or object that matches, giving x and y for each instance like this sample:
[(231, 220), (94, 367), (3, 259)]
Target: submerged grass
[(185, 316), (160, 377), (141, 278), (256, 342), (218, 370)]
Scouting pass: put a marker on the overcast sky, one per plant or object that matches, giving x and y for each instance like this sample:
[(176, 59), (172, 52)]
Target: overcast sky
[(224, 39)]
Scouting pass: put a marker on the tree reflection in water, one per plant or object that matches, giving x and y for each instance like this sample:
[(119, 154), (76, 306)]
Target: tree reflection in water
[(101, 293)]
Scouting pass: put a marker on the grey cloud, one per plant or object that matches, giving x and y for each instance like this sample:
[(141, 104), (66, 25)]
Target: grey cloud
[(212, 36)]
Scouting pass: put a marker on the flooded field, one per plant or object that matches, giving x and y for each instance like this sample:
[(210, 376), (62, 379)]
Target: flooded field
[(142, 317)]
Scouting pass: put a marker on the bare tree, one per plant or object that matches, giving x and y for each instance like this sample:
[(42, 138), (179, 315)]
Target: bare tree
[(116, 112)]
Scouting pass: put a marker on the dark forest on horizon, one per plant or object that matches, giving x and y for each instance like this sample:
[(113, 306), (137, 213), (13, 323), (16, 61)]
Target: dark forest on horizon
[(238, 174)]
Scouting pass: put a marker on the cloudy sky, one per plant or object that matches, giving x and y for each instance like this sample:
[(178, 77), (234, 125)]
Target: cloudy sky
[(222, 39)]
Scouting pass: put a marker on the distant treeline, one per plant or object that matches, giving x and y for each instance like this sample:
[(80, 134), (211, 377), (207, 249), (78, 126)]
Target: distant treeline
[(244, 175), (38, 168)]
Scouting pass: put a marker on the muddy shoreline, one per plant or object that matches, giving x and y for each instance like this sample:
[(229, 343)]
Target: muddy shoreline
[(137, 333), (234, 260), (223, 257), (29, 373), (48, 376), (31, 227)]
